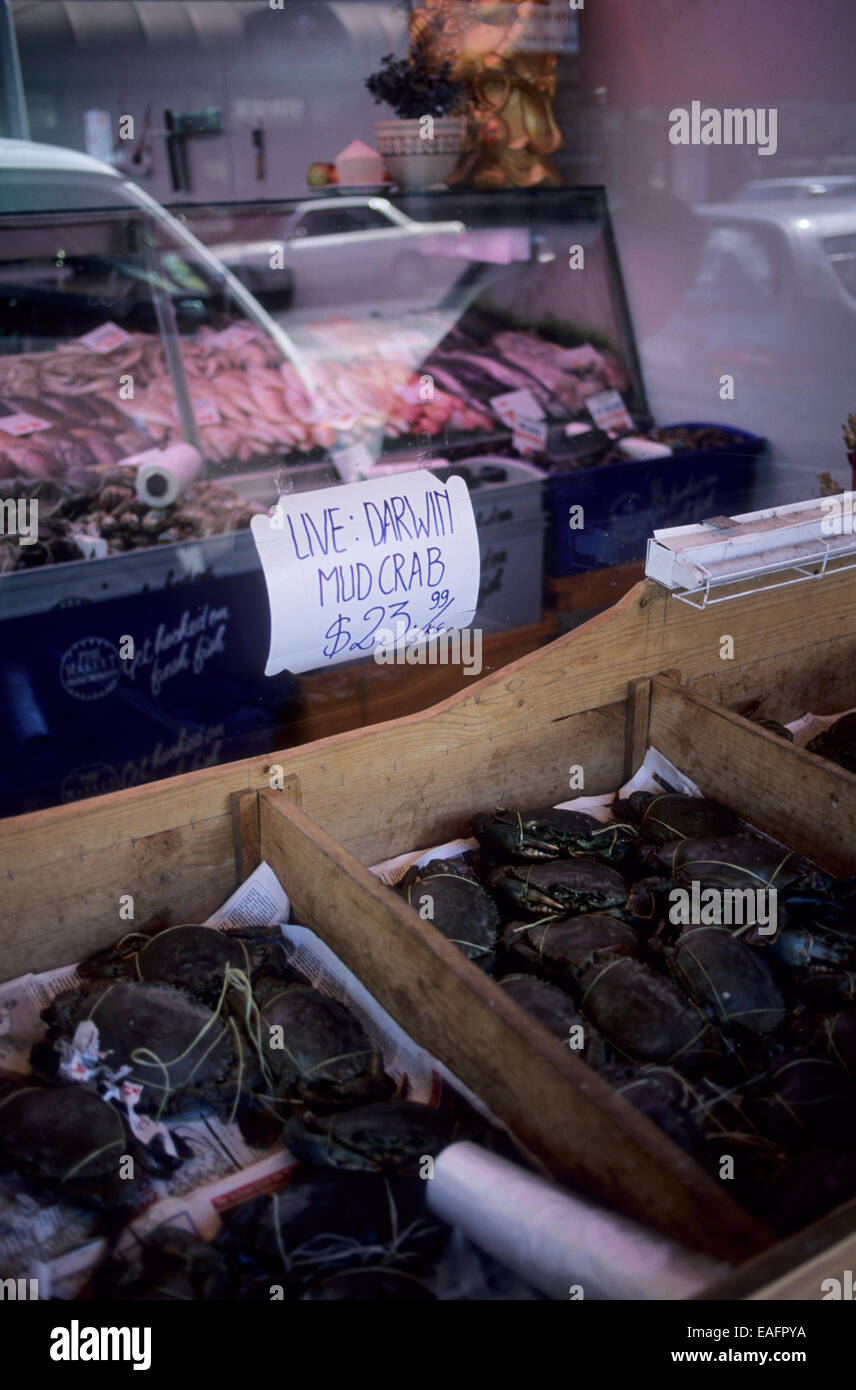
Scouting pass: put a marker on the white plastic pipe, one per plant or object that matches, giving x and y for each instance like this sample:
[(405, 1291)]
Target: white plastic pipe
[(555, 1241)]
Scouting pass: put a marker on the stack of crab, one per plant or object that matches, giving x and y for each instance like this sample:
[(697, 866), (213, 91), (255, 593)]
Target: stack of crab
[(190, 1019), (738, 1040)]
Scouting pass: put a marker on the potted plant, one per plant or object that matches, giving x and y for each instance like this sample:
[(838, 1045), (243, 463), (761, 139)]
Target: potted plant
[(422, 146)]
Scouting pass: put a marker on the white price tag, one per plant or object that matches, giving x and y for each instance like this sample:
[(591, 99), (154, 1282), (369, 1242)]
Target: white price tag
[(513, 406), (105, 338), (348, 568), (205, 412), (529, 435), (609, 412), (22, 423)]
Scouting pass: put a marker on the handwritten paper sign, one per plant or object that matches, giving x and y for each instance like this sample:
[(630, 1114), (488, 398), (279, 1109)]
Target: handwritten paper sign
[(347, 566)]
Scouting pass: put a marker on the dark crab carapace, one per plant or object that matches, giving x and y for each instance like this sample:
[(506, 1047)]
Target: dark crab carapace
[(672, 816), (731, 980), (550, 833), (326, 1219), (566, 946), (71, 1139), (742, 861), (317, 1050), (559, 888), (643, 1015), (183, 1054), (457, 906), (393, 1136)]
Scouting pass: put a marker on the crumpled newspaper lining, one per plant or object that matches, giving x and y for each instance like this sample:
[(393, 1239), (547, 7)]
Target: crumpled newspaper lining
[(810, 725), (44, 1239)]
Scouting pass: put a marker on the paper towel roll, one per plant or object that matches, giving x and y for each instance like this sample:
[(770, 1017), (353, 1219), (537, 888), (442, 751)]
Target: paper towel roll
[(163, 474), (554, 1240)]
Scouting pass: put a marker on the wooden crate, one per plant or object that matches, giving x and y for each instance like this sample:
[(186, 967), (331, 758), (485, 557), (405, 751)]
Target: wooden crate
[(594, 698)]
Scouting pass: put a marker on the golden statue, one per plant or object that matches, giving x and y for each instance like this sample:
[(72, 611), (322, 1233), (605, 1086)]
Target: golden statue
[(493, 47)]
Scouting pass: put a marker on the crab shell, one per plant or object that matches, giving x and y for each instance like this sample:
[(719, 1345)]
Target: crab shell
[(181, 1053), (192, 957), (565, 886), (675, 817), (564, 948), (743, 861), (549, 833), (324, 1219), (663, 1095), (392, 1136), (642, 1014), (458, 907), (806, 1103), (68, 1137), (326, 1057), (733, 980), (555, 1011)]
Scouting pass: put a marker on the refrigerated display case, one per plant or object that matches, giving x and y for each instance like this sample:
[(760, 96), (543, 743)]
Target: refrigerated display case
[(139, 623)]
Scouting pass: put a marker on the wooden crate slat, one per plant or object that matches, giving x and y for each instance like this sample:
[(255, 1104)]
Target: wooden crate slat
[(565, 1114), (800, 799)]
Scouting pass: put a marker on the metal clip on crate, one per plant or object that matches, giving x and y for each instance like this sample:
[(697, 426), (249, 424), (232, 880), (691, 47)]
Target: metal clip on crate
[(714, 561)]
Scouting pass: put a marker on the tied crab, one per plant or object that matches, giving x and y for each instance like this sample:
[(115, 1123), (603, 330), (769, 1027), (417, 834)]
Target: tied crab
[(670, 816), (181, 1054), (554, 1010), (325, 1220), (558, 888), (820, 959), (316, 1051), (724, 976), (457, 906), (392, 1136), (552, 833), (71, 1140), (742, 861), (204, 961)]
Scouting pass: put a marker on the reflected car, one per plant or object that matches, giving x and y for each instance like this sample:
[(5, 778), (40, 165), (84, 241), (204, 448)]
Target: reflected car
[(821, 186), (347, 248), (773, 306)]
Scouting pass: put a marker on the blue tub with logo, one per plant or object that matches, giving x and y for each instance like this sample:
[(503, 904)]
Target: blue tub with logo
[(624, 503), (81, 719)]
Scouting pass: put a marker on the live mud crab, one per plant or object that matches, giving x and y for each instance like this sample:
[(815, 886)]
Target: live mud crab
[(316, 1051), (392, 1136), (551, 833), (558, 888), (324, 1221), (457, 906), (181, 1054), (70, 1140), (205, 961)]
